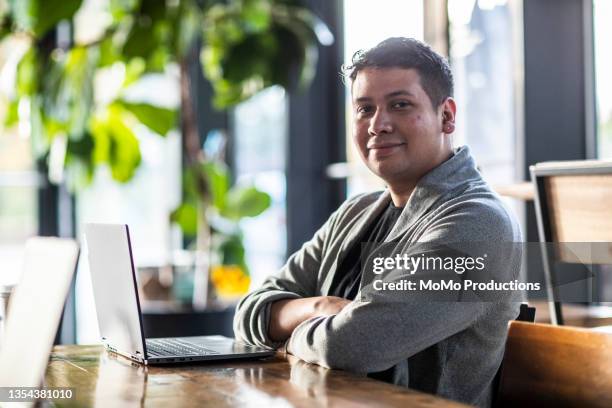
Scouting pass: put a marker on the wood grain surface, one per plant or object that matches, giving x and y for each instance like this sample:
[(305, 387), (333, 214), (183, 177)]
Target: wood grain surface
[(103, 379), (556, 366)]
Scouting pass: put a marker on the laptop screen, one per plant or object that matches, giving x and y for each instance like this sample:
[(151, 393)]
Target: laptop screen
[(113, 279), (35, 310)]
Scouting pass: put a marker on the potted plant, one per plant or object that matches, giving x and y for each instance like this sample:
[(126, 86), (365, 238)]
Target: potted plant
[(244, 46), (213, 218)]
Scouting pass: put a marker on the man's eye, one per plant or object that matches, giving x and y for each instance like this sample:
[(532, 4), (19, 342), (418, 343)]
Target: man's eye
[(364, 109), (400, 104)]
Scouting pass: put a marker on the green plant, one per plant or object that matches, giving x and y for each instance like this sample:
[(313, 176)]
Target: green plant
[(245, 46), (224, 207)]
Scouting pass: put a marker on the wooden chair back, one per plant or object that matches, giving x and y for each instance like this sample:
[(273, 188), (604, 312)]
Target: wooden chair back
[(556, 366), (575, 203), (573, 208)]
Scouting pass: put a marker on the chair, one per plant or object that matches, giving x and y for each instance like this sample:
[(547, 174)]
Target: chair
[(556, 366), (526, 314), (572, 201)]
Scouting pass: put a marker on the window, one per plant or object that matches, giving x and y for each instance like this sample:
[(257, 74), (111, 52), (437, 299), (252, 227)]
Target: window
[(259, 127), (603, 66), (364, 27), (483, 63), (602, 11), (19, 180)]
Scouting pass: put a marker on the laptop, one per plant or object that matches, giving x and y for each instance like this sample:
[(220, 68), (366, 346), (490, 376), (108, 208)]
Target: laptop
[(113, 278), (34, 310)]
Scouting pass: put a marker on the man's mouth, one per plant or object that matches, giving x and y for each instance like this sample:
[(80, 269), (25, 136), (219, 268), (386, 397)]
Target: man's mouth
[(379, 146), (384, 149)]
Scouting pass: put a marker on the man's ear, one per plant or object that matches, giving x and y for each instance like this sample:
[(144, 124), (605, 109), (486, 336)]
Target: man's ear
[(449, 110)]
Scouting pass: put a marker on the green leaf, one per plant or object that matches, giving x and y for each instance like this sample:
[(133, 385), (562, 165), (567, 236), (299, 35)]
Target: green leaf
[(53, 127), (109, 52), (300, 31), (40, 139), (12, 113), (149, 35), (27, 73), (79, 172), (121, 8), (124, 152), (78, 87), (133, 70), (140, 42), (82, 148), (222, 26), (39, 16), (294, 59), (79, 166), (190, 184), (100, 135), (186, 216), (115, 144), (6, 22), (256, 14), (232, 251), (253, 44), (251, 57), (227, 94), (159, 59), (186, 27), (245, 202), (218, 179), (155, 10), (159, 120), (68, 94)]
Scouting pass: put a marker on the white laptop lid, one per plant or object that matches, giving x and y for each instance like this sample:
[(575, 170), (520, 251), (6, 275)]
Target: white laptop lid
[(35, 310), (114, 285)]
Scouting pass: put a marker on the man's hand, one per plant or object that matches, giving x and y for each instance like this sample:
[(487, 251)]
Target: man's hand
[(287, 314), (328, 305)]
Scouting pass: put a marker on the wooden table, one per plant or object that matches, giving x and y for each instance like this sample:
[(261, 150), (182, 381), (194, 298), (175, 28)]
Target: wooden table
[(103, 379)]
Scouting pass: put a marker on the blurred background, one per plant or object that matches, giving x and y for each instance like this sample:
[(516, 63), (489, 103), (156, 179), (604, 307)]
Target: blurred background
[(223, 127)]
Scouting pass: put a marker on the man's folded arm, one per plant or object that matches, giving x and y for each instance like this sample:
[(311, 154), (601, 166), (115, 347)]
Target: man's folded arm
[(373, 335), (296, 280)]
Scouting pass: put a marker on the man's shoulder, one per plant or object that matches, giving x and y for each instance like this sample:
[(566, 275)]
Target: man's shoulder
[(479, 213)]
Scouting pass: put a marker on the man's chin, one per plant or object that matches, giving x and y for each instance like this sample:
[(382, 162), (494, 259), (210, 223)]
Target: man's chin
[(389, 172)]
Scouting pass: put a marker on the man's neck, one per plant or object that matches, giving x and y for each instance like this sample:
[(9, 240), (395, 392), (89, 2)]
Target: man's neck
[(400, 196), (401, 191)]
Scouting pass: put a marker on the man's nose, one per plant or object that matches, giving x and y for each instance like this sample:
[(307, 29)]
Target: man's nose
[(380, 123)]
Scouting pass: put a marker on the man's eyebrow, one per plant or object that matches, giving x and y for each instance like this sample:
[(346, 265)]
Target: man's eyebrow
[(401, 92), (363, 99), (393, 94)]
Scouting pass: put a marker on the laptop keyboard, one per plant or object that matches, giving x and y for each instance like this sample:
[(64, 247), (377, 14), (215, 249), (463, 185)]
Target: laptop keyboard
[(176, 347)]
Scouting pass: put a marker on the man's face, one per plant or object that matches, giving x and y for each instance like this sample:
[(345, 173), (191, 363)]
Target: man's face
[(398, 133)]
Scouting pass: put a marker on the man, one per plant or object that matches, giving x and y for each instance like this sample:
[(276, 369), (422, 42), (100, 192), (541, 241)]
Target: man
[(403, 116)]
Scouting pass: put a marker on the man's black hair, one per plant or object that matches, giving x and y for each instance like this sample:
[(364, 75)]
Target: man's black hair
[(400, 52)]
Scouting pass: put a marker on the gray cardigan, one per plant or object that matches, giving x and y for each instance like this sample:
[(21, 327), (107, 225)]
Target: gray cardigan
[(449, 348)]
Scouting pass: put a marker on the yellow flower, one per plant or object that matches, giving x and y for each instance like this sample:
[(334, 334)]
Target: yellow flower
[(230, 280)]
